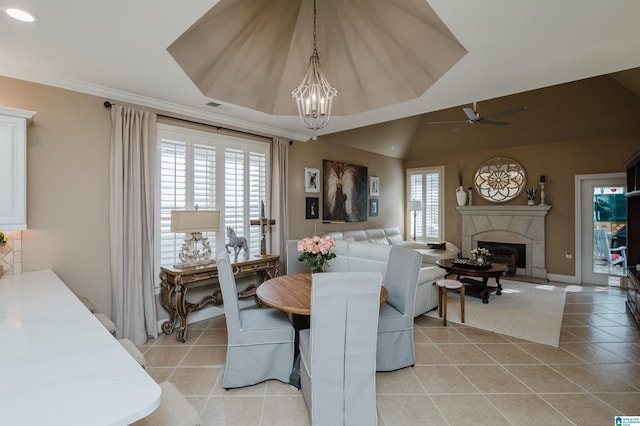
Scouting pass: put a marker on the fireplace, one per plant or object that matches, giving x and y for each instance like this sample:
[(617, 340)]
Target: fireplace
[(505, 249), (522, 227)]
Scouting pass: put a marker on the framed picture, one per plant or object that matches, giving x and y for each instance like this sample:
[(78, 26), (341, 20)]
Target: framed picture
[(373, 207), (345, 192), (374, 186), (311, 179), (312, 207)]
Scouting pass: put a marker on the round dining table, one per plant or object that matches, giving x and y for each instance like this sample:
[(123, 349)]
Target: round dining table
[(292, 294)]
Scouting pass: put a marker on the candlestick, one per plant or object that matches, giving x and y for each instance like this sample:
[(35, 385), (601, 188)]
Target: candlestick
[(542, 192)]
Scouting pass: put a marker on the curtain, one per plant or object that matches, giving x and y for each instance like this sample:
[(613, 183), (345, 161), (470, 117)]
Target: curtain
[(279, 199), (131, 206)]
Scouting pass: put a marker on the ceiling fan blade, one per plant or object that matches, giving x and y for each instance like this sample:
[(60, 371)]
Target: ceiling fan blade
[(466, 123), (446, 122), (471, 113), (494, 122), (508, 112)]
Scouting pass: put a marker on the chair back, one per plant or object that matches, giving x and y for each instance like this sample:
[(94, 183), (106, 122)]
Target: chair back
[(401, 279), (294, 266), (601, 245), (343, 334), (229, 294)]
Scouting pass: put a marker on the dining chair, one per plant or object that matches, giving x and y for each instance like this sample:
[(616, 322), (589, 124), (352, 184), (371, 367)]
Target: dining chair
[(395, 327), (294, 266), (133, 350), (260, 341), (338, 352)]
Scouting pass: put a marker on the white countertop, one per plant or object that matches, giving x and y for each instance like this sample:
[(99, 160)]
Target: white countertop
[(59, 365)]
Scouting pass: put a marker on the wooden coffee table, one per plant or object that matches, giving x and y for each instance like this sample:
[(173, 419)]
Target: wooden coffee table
[(474, 287)]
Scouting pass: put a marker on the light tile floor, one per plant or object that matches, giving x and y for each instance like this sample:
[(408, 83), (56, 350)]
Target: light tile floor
[(462, 375)]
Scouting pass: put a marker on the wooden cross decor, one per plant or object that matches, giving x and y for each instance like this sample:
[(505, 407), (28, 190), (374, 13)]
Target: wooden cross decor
[(265, 226)]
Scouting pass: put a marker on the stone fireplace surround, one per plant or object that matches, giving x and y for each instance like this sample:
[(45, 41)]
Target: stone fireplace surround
[(508, 224)]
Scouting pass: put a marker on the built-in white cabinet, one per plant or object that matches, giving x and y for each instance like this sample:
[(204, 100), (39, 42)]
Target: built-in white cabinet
[(13, 168)]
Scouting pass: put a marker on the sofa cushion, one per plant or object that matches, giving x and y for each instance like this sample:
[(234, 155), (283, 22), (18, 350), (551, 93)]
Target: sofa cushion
[(357, 235)]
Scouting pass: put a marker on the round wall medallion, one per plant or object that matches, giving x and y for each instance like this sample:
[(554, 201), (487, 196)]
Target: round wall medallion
[(500, 179)]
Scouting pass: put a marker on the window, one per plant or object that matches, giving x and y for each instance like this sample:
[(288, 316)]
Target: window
[(214, 172), (426, 186)]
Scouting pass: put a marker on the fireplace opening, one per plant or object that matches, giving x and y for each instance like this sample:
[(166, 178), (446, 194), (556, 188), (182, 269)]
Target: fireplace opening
[(507, 251)]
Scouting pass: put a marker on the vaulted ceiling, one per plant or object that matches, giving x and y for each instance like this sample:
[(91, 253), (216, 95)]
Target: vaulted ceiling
[(118, 50)]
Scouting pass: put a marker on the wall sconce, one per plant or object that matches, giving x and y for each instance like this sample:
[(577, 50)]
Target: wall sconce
[(194, 222)]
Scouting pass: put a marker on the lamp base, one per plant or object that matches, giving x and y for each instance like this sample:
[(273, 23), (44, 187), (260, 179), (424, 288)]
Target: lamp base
[(191, 255)]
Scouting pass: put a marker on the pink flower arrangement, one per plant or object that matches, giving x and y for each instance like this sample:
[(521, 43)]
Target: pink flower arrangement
[(316, 251)]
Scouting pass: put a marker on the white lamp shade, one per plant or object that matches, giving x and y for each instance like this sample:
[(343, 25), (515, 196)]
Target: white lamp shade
[(195, 220), (415, 205)]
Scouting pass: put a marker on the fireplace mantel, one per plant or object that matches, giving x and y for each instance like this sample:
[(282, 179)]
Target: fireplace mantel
[(505, 210), (510, 224)]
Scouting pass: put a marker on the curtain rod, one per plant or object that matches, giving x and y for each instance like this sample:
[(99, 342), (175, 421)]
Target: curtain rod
[(108, 105)]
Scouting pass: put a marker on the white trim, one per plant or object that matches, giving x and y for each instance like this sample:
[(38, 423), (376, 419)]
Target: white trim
[(569, 279), (144, 101), (577, 255)]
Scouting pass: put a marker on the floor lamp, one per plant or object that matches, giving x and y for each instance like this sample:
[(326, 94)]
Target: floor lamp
[(415, 206)]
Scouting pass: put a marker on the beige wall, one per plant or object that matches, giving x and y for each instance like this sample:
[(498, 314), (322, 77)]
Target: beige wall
[(310, 154), (67, 186), (559, 162)]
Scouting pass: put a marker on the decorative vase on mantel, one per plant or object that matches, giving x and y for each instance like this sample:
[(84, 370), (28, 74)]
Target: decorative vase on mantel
[(461, 196)]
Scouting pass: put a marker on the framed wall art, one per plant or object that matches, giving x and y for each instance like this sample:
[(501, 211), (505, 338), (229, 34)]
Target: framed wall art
[(311, 179), (374, 186), (373, 207), (312, 207), (344, 188)]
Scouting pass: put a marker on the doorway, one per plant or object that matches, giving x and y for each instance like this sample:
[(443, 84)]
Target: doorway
[(600, 228)]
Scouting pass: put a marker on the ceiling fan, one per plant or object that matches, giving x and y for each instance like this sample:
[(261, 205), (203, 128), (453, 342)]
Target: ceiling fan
[(474, 117)]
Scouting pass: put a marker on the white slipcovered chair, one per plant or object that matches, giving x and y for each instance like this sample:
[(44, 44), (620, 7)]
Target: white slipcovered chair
[(294, 266), (338, 352), (260, 341), (395, 326)]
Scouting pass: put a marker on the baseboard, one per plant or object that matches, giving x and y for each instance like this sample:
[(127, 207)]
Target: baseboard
[(569, 279)]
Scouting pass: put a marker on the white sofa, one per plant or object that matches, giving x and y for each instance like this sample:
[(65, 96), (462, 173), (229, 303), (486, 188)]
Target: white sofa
[(366, 250), (392, 236)]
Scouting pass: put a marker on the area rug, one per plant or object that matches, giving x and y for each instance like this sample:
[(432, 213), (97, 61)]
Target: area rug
[(524, 310)]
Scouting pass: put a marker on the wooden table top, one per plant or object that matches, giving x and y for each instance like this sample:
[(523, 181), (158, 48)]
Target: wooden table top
[(496, 269), (292, 293)]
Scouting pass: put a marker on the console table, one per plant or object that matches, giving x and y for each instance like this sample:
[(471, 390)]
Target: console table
[(176, 281)]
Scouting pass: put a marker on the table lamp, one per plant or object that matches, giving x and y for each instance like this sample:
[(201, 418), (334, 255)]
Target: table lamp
[(194, 222), (415, 206)]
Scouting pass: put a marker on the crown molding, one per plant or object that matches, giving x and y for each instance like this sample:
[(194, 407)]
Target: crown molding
[(147, 102)]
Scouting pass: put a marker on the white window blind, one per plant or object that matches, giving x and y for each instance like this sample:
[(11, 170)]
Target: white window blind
[(426, 185), (215, 172)]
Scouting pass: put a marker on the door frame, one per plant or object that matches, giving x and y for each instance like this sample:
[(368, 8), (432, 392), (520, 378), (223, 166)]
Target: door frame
[(579, 179)]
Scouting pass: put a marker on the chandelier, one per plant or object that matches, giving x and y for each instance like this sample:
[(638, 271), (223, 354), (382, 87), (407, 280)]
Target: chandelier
[(314, 95)]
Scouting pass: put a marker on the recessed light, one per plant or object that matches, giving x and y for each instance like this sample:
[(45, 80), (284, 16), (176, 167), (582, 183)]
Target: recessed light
[(21, 15), (394, 147)]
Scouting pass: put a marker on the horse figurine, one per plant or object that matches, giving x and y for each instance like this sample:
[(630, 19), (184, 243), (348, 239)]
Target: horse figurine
[(238, 243)]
